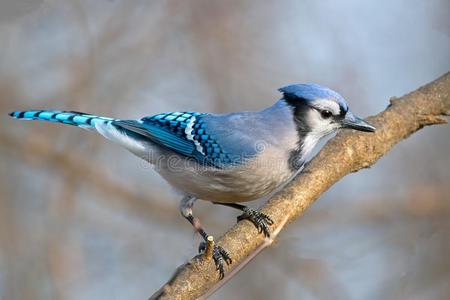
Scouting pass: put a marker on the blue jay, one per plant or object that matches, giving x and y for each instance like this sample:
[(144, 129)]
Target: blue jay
[(225, 158)]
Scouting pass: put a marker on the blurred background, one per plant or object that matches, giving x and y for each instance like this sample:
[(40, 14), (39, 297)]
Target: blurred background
[(81, 218)]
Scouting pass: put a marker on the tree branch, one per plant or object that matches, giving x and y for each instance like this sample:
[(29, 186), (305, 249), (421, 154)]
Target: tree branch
[(348, 152)]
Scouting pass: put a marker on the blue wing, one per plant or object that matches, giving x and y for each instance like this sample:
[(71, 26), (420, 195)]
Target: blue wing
[(185, 133)]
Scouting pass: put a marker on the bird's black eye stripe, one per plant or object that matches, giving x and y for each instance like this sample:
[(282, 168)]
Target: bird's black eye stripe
[(342, 112), (326, 114)]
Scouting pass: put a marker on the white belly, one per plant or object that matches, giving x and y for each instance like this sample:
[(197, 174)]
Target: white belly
[(252, 180)]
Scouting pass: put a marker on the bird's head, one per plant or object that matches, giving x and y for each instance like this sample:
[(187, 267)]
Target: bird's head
[(320, 111)]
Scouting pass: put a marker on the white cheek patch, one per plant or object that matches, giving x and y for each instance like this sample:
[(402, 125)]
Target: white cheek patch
[(325, 104), (319, 128), (318, 125)]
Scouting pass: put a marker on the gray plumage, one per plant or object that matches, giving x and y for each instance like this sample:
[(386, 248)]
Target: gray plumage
[(225, 158)]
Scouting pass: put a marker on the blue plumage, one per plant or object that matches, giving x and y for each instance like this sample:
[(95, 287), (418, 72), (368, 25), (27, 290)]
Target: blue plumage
[(312, 91), (67, 117), (183, 132), (225, 158)]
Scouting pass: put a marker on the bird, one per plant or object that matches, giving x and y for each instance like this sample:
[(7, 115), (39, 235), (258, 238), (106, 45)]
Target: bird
[(227, 158)]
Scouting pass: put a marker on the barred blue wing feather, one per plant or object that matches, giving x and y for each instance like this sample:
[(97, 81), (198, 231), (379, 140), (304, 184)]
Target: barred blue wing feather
[(182, 132), (160, 135), (265, 146)]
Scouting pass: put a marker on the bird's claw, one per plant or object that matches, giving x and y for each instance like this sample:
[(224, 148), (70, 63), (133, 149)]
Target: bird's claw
[(259, 219), (219, 256)]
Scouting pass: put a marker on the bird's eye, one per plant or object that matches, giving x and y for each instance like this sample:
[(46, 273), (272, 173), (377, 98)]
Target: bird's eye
[(326, 114)]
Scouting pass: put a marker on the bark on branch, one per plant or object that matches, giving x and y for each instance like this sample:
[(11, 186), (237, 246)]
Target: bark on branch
[(348, 152)]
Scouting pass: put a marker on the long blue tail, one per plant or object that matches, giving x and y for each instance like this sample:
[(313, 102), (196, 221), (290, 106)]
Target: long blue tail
[(66, 117)]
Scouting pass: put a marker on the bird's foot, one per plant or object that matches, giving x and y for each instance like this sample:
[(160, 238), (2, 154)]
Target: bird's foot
[(219, 256), (259, 219)]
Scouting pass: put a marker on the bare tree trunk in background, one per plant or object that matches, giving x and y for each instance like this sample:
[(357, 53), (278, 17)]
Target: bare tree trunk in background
[(349, 152)]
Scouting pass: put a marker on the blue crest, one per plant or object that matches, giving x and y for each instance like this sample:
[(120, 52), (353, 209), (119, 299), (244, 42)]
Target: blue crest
[(311, 92)]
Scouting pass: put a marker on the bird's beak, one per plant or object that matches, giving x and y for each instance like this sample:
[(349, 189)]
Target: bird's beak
[(353, 122)]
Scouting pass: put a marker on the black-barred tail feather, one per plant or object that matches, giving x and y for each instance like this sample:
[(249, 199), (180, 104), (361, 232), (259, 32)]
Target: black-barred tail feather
[(74, 118), (137, 144)]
